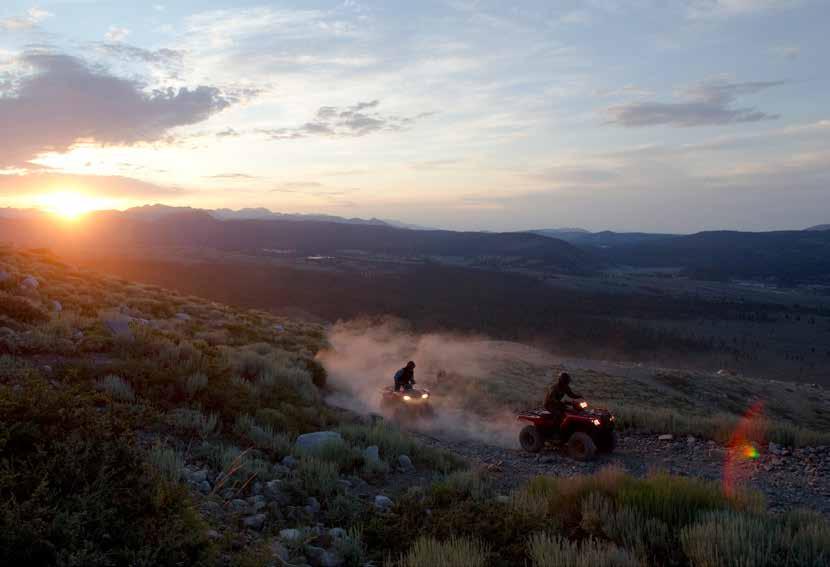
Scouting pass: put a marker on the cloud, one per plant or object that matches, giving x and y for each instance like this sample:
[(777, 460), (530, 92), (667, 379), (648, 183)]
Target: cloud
[(703, 9), (352, 121), (130, 52), (786, 51), (706, 104), (116, 34), (65, 101), (110, 186), (230, 176), (32, 18)]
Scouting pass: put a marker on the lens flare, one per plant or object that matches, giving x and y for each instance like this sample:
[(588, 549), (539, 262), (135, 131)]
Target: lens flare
[(743, 448)]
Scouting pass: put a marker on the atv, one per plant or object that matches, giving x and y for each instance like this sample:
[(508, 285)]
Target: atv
[(407, 404), (584, 431)]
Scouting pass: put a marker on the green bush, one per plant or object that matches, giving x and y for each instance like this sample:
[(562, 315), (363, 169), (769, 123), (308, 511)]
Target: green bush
[(555, 551), (193, 422), (262, 436), (338, 452), (730, 539), (118, 388), (391, 443), (316, 477), (168, 462), (454, 552), (74, 490)]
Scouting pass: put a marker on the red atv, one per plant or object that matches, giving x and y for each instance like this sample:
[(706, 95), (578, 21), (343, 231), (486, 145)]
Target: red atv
[(584, 431), (407, 404)]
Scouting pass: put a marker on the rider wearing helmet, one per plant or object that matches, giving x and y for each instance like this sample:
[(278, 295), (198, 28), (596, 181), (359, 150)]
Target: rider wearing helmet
[(405, 377), (562, 388)]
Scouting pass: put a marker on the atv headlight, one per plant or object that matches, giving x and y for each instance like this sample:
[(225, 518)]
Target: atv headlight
[(583, 405), (424, 396), (407, 398), (597, 422)]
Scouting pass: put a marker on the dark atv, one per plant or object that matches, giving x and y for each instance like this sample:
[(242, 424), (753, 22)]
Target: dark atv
[(406, 404), (583, 430)]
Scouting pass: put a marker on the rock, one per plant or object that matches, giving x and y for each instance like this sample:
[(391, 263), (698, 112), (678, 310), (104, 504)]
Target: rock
[(291, 534), (405, 464), (4, 276), (313, 505), (691, 440), (290, 462), (205, 487), (371, 454), (310, 441), (182, 316), (56, 306), (254, 522), (257, 503), (198, 476), (214, 535), (238, 506), (279, 329), (338, 533), (29, 283), (256, 488), (344, 484), (666, 437), (119, 327), (274, 490), (774, 448), (279, 551), (383, 502), (319, 557)]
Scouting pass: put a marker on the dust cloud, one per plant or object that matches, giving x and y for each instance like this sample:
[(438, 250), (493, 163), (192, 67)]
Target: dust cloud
[(365, 355)]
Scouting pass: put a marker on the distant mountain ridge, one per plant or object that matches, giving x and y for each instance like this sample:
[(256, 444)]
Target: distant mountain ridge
[(819, 227)]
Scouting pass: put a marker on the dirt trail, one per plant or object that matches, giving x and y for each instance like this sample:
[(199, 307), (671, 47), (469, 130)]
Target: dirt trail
[(789, 480)]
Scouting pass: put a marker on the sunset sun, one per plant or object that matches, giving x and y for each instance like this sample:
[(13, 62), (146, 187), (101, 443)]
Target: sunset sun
[(70, 205)]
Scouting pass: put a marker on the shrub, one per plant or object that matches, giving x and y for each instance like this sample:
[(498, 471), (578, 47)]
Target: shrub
[(196, 383), (335, 451), (554, 551), (168, 462), (391, 443), (730, 539), (117, 388), (454, 552), (20, 309), (317, 477), (74, 489), (262, 437), (193, 422)]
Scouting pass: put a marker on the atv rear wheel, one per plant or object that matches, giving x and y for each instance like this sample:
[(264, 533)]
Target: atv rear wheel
[(581, 447), (531, 439)]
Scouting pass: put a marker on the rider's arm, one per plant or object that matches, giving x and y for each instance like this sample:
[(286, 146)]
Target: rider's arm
[(572, 394)]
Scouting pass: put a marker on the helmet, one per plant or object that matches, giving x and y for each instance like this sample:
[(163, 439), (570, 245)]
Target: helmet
[(410, 364), (565, 378)]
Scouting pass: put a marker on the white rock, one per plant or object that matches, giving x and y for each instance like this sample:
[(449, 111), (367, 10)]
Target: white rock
[(666, 437), (279, 328), (291, 534), (313, 440), (29, 283), (57, 307), (371, 454), (691, 440), (383, 502), (119, 327), (182, 316)]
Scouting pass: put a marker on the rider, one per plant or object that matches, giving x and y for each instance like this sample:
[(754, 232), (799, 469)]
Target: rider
[(553, 399), (405, 377)]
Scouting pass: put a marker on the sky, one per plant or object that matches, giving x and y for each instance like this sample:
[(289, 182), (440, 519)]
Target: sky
[(646, 115)]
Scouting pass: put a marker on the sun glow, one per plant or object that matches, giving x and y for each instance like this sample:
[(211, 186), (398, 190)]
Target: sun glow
[(70, 205)]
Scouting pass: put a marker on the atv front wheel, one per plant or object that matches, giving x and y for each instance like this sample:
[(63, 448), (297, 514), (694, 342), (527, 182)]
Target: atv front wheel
[(581, 447), (607, 442), (531, 440)]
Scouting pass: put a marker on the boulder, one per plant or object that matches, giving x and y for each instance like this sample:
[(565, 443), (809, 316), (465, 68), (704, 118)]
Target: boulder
[(666, 437), (29, 283), (310, 441), (405, 464), (383, 502)]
